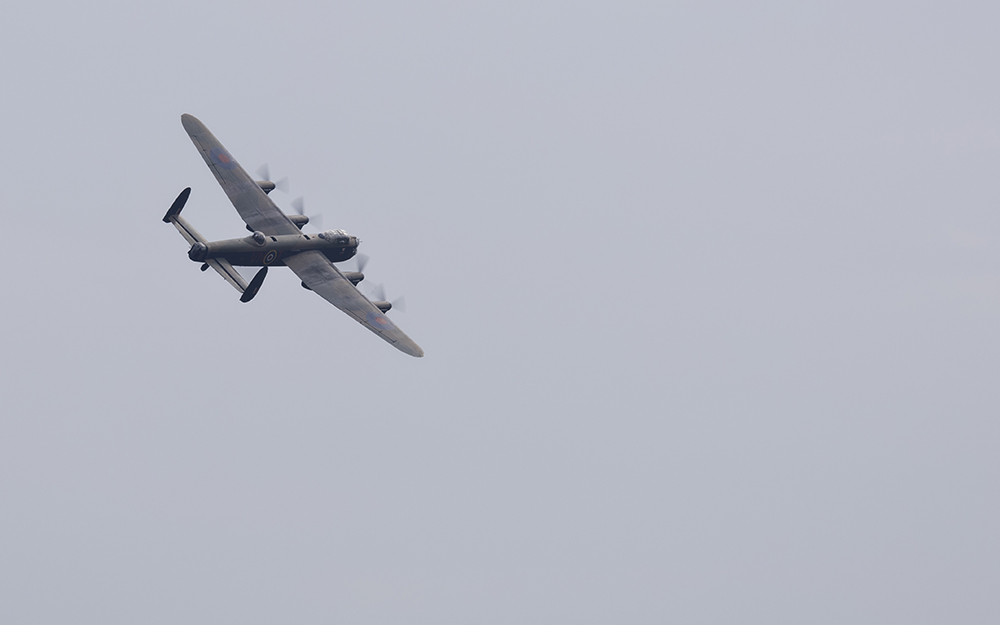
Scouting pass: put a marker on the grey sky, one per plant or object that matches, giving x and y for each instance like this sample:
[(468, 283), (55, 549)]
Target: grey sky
[(709, 294)]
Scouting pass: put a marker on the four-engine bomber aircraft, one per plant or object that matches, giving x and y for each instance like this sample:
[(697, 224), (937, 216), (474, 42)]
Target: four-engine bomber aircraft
[(277, 239)]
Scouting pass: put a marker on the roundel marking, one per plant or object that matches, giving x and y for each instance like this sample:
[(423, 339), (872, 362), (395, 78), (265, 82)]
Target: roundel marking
[(380, 321), (223, 159), (270, 257)]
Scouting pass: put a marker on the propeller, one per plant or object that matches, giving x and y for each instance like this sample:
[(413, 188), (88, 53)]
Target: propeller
[(299, 204), (264, 174), (362, 260), (397, 304)]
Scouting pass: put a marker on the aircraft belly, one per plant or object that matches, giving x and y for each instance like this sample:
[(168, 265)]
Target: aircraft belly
[(259, 258), (272, 257)]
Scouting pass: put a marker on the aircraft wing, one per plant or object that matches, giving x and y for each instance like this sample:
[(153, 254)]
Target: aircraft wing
[(253, 205), (320, 275)]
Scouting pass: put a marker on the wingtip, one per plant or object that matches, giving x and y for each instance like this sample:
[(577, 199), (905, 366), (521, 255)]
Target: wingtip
[(191, 123), (412, 349)]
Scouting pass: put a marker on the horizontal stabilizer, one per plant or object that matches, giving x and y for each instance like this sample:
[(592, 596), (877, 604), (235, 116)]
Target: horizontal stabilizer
[(231, 275), (192, 236)]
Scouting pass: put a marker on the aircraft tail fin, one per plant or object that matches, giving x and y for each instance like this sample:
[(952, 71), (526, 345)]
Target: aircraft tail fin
[(254, 285), (175, 208), (173, 216)]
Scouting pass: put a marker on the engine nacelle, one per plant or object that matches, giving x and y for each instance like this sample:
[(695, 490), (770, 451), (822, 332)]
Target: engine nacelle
[(383, 306), (266, 185), (354, 276)]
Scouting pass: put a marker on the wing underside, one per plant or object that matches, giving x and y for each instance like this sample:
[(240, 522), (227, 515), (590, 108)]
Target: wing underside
[(253, 205), (320, 275)]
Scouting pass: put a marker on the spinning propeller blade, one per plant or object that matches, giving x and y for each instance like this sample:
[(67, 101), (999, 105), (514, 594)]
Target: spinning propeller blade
[(397, 304), (299, 204), (264, 174)]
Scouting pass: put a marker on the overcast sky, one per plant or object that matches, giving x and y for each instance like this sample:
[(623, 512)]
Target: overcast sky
[(709, 292)]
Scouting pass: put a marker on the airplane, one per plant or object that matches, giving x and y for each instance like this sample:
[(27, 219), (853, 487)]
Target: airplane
[(276, 240)]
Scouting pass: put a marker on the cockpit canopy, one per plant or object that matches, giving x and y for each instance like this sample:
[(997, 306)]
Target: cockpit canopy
[(337, 237)]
